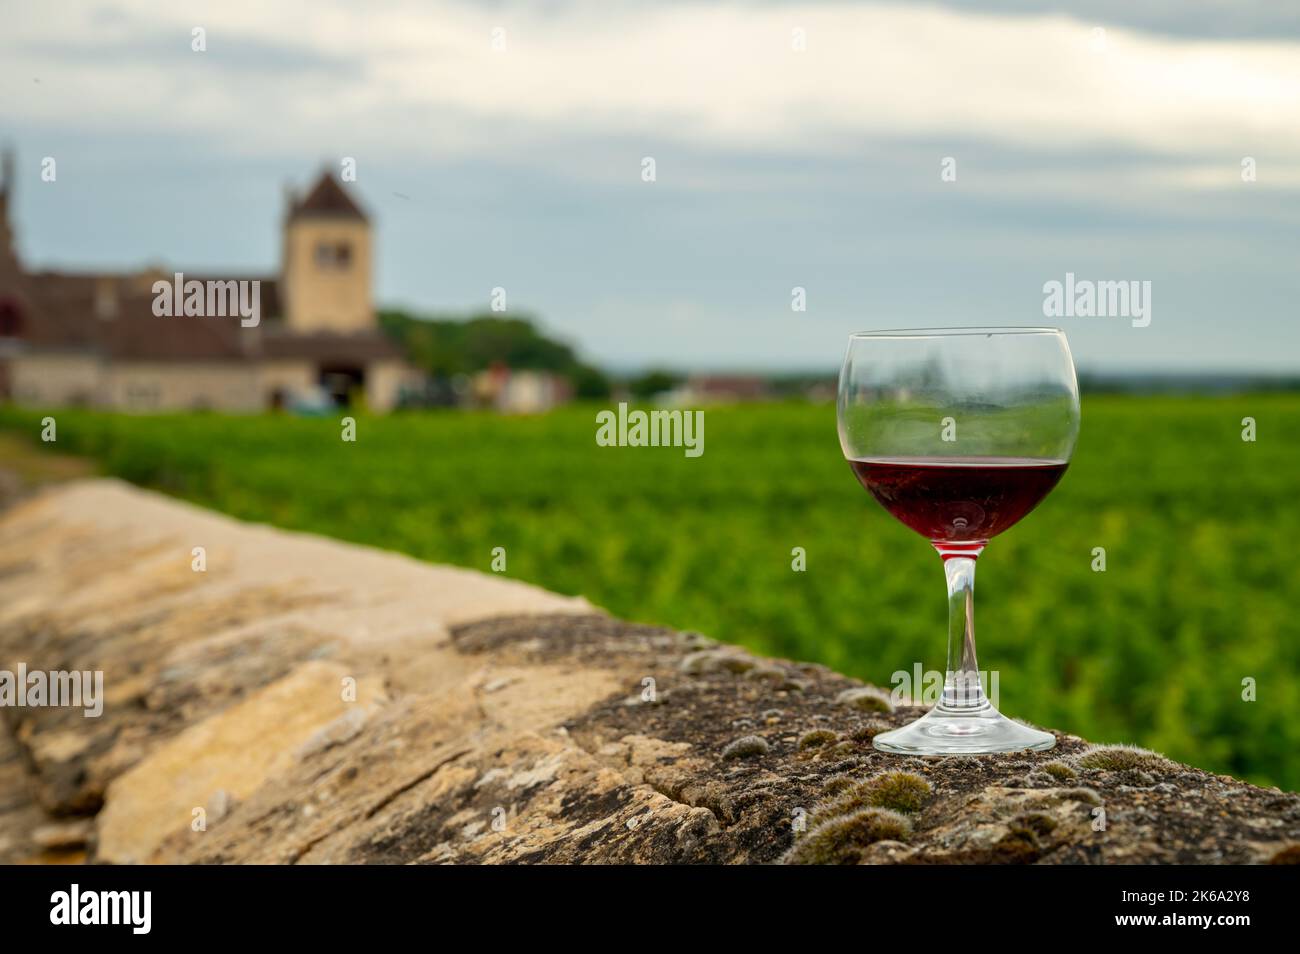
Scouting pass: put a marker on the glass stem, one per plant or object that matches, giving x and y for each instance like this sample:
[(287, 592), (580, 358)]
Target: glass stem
[(962, 690)]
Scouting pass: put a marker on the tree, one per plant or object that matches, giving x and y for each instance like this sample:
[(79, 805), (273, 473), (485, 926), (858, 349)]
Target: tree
[(652, 383), (445, 346)]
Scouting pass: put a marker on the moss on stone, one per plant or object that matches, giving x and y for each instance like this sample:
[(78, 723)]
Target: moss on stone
[(1080, 794), (1059, 771), (746, 747), (1040, 823), (1035, 780), (716, 660), (1019, 846), (868, 731), (836, 784), (772, 675), (902, 792), (689, 640), (867, 699), (816, 739), (1117, 758), (1289, 855), (842, 840)]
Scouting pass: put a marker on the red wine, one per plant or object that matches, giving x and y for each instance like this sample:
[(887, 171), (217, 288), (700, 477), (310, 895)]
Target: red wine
[(958, 499)]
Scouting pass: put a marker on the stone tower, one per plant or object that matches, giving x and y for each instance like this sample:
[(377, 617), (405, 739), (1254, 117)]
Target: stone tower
[(326, 274)]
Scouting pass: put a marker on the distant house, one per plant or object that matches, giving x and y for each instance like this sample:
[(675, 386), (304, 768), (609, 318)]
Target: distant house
[(719, 389), (519, 391), (75, 338)]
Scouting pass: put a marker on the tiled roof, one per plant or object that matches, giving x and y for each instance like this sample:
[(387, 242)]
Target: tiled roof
[(112, 315), (327, 200), (66, 312)]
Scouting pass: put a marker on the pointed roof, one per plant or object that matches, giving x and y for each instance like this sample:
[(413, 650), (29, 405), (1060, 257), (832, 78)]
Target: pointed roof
[(328, 199)]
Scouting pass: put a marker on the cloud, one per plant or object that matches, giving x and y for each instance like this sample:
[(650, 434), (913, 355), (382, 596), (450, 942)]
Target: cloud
[(1220, 19), (1111, 155), (424, 80)]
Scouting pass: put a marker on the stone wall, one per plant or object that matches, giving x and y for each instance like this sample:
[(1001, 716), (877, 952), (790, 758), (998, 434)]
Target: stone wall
[(56, 380), (296, 699)]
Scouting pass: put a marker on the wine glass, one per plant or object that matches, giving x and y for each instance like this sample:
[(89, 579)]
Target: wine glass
[(959, 432)]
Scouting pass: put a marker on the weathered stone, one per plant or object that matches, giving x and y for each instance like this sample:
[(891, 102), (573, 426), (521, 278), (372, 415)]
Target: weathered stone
[(63, 836), (491, 722), (234, 751)]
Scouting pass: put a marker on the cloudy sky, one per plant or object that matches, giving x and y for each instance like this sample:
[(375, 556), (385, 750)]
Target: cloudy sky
[(794, 144)]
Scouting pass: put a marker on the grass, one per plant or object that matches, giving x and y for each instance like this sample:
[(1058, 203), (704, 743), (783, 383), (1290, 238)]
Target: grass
[(30, 466), (1200, 590)]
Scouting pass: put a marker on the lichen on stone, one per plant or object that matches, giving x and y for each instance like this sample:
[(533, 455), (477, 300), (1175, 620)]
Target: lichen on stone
[(843, 839)]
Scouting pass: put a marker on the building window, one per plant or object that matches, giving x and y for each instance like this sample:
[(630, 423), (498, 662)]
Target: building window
[(11, 319), (143, 395), (333, 255), (105, 299)]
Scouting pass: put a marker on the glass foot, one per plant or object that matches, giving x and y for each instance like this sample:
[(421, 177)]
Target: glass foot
[(980, 731)]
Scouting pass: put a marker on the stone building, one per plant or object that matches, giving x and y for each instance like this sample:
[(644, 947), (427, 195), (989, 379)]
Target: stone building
[(96, 339)]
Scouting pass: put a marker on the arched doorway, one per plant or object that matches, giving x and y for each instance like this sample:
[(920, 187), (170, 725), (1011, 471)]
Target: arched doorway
[(343, 382)]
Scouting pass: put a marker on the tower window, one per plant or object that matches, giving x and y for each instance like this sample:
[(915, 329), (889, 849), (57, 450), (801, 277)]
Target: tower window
[(333, 255)]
